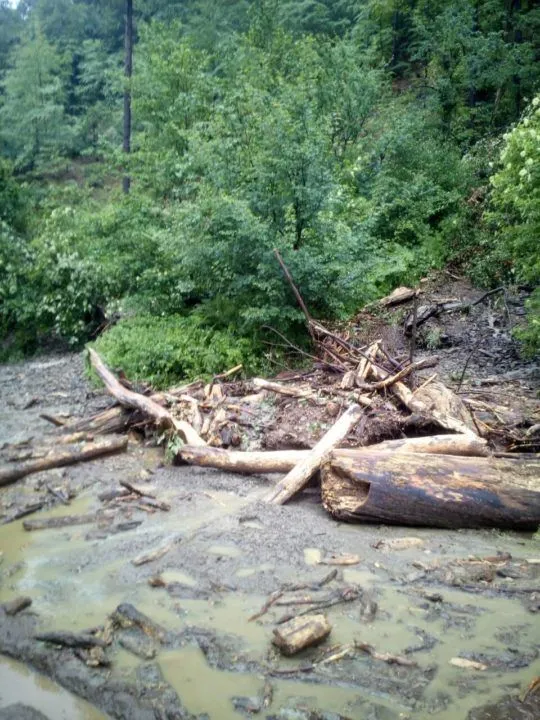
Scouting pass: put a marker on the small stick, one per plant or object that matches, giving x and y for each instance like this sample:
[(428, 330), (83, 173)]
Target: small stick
[(423, 385), (58, 422), (413, 333), (228, 373)]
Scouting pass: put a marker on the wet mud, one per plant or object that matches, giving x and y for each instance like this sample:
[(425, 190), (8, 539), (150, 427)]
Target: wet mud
[(188, 648)]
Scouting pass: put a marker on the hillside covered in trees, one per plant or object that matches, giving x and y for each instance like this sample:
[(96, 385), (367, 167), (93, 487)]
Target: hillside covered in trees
[(368, 140)]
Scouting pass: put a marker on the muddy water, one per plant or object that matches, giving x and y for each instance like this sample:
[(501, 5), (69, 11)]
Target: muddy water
[(76, 582), (18, 684)]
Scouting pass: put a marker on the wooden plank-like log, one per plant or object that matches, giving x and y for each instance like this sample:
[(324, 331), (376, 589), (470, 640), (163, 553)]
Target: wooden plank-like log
[(131, 399), (299, 476), (279, 461), (433, 490), (300, 633), (62, 456)]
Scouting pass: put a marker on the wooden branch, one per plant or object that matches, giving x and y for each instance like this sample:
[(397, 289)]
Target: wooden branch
[(131, 399), (391, 379), (60, 457), (288, 390), (295, 290), (299, 476), (71, 640), (432, 490), (280, 461)]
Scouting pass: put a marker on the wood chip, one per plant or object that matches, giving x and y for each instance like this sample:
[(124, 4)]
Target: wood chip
[(467, 664)]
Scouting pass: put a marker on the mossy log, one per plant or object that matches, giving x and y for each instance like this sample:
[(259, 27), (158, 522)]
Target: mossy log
[(432, 490)]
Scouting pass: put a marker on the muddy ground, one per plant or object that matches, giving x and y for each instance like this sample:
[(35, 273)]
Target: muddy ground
[(431, 602)]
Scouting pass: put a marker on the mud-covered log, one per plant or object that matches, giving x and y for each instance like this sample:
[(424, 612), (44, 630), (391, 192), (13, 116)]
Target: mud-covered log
[(71, 640), (131, 399), (300, 633), (61, 522), (17, 605), (60, 457), (299, 476), (276, 461), (432, 490)]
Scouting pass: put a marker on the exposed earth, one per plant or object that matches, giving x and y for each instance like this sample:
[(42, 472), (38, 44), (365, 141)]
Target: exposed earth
[(436, 597)]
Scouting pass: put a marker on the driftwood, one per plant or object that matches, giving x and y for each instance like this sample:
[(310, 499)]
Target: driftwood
[(131, 399), (65, 521), (17, 605), (387, 382), (61, 456), (432, 490), (301, 633), (71, 640), (23, 512), (290, 391), (299, 476), (127, 615), (154, 554), (285, 460)]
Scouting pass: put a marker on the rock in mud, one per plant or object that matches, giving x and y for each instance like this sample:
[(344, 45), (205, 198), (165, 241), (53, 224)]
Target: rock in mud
[(138, 644), (510, 707), (21, 712)]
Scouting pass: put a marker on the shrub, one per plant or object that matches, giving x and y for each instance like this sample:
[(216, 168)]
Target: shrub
[(167, 350)]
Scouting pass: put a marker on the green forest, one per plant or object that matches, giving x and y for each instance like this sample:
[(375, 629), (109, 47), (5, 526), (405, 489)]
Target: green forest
[(369, 141)]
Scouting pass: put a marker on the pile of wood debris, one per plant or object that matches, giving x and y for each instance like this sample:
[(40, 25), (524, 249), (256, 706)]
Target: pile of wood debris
[(446, 465)]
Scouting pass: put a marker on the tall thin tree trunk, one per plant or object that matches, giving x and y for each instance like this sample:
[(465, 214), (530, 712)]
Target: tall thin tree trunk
[(128, 68)]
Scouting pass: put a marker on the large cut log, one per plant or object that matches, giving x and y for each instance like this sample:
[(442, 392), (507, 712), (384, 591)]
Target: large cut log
[(112, 420), (299, 476), (285, 460), (131, 399), (433, 490), (61, 456)]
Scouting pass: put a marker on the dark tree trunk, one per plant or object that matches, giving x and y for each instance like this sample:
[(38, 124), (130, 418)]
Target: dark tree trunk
[(128, 68)]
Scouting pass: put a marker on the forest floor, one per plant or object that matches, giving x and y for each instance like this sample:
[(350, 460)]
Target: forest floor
[(423, 595)]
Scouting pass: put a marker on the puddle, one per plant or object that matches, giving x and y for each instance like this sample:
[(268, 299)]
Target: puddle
[(192, 678), (19, 684)]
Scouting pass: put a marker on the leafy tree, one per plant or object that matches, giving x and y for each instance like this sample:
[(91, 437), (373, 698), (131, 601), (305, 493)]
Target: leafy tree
[(33, 121)]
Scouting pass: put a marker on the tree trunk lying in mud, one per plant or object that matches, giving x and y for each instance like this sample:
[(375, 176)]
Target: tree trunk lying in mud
[(300, 633), (61, 456), (284, 460), (432, 490), (299, 476), (131, 399)]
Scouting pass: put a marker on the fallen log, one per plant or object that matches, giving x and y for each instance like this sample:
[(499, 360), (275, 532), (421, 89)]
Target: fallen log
[(156, 553), (390, 380), (61, 456), (131, 399), (113, 420), (285, 460), (432, 490), (299, 476), (61, 522), (434, 400)]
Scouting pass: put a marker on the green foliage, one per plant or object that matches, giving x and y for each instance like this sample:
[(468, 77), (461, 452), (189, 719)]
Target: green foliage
[(514, 213), (33, 125), (349, 134), (166, 350)]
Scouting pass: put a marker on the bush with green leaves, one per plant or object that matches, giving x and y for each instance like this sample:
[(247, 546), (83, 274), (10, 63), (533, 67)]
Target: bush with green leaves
[(165, 350)]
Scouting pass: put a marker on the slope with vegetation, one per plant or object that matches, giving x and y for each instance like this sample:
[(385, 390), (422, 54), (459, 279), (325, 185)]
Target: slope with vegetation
[(368, 140)]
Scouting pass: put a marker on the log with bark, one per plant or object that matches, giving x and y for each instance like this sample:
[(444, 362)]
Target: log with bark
[(285, 460), (299, 476), (65, 521), (432, 490), (60, 457), (131, 399)]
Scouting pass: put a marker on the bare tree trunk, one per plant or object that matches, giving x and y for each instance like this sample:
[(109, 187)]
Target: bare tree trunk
[(128, 68)]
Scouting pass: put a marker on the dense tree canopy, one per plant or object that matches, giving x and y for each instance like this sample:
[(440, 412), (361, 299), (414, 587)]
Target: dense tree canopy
[(350, 134)]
